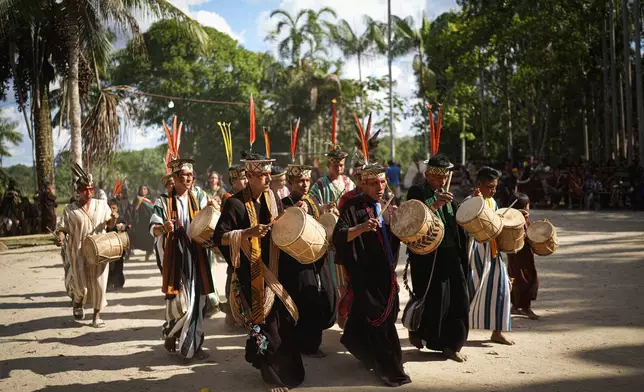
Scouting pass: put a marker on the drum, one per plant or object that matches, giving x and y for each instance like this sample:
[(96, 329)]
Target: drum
[(328, 220), (203, 226), (512, 237), (479, 220), (417, 227), (104, 248), (542, 237), (300, 235)]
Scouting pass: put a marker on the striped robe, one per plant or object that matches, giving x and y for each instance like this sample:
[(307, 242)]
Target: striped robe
[(489, 287), (184, 311), (325, 191), (84, 282)]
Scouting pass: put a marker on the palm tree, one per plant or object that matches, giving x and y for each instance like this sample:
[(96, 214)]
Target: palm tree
[(414, 39), (8, 135), (353, 45), (303, 28)]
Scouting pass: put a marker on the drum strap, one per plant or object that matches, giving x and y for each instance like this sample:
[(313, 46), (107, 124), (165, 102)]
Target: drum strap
[(313, 205)]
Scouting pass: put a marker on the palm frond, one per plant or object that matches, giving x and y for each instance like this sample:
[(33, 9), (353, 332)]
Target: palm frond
[(101, 131)]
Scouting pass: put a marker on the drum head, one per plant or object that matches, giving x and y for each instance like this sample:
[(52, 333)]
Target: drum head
[(511, 217), (202, 221), (540, 231), (289, 227), (470, 209), (409, 218)]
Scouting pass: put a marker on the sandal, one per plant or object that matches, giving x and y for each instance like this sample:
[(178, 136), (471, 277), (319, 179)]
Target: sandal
[(78, 311), (98, 323)]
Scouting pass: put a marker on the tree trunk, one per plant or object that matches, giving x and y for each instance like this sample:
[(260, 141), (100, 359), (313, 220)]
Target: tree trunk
[(74, 95), (608, 140), (392, 143), (584, 114), (613, 79), (530, 129), (482, 95), (638, 78), (361, 87), (627, 79), (44, 140)]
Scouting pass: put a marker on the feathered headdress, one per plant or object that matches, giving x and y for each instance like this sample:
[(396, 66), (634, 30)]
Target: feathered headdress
[(252, 122), (174, 140), (435, 131), (365, 142), (228, 141), (118, 185), (294, 139), (83, 178)]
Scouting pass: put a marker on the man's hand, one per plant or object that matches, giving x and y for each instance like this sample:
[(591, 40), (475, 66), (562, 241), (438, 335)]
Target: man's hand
[(301, 204), (370, 225), (389, 214), (120, 226), (168, 227), (442, 199), (60, 238), (257, 231)]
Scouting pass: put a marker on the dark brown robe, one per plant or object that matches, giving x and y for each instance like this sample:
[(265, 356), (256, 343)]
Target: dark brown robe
[(521, 268)]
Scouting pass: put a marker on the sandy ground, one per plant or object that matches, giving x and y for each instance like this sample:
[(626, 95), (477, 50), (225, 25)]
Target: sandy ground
[(590, 338)]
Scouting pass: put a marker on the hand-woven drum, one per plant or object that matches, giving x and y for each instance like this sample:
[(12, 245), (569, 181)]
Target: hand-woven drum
[(512, 237), (328, 220), (203, 226), (104, 248), (479, 220), (300, 235), (542, 237), (417, 227)]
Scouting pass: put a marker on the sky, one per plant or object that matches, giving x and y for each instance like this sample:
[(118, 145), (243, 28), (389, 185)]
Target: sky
[(248, 21)]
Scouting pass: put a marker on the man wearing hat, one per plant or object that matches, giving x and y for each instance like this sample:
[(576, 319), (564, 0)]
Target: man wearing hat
[(368, 251), (187, 280), (82, 218), (278, 182), (444, 325), (257, 299), (310, 285), (358, 164)]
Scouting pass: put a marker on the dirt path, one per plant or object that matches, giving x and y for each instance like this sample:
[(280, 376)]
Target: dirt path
[(590, 338)]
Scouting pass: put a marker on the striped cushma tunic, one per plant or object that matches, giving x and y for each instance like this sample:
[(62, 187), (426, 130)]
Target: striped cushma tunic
[(325, 191), (489, 287), (187, 279)]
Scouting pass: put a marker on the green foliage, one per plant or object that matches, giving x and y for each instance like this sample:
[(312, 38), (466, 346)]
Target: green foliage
[(8, 135)]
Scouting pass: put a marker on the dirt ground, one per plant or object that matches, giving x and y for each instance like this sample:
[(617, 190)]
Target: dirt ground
[(590, 337)]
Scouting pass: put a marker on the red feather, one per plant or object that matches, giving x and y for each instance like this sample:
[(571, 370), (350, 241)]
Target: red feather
[(252, 121), (174, 134), (363, 140), (267, 143), (296, 137), (432, 130), (367, 133), (177, 139), (334, 138)]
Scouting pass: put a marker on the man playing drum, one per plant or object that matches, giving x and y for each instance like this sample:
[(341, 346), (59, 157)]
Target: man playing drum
[(444, 325), (369, 252), (327, 191), (490, 284), (187, 279), (310, 285), (86, 216), (244, 227)]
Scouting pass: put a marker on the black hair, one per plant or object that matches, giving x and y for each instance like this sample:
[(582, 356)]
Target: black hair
[(522, 201), (487, 173)]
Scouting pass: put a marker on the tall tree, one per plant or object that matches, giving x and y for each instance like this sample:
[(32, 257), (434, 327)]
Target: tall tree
[(637, 14), (628, 110)]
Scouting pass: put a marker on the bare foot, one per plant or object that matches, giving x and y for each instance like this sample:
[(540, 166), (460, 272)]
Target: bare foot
[(498, 337), (201, 354), (98, 323), (530, 314), (416, 341), (317, 354), (454, 356), (170, 344)]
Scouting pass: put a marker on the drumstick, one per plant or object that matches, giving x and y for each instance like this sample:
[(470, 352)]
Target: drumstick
[(385, 208), (449, 181), (508, 209)]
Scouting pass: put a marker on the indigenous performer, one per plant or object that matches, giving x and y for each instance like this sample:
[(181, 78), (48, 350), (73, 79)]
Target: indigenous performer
[(522, 270), (48, 208), (278, 182), (187, 279), (80, 219), (490, 284), (444, 325), (213, 188), (116, 278), (327, 191), (168, 183), (159, 242), (310, 285), (244, 227), (368, 251), (139, 214), (358, 164)]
